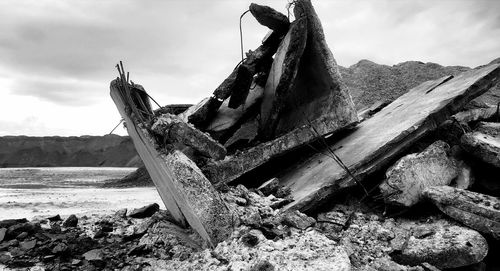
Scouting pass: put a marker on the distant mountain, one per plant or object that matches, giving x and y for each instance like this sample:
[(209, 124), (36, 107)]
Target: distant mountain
[(369, 82), (54, 151)]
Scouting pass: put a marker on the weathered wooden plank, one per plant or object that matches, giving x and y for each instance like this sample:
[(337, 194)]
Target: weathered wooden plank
[(478, 211), (380, 139), (307, 92), (187, 194)]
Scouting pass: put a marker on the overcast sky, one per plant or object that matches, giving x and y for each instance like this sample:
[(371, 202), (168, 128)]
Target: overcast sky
[(57, 57)]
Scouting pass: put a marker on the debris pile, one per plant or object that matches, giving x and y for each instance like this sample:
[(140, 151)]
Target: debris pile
[(283, 123), (276, 171)]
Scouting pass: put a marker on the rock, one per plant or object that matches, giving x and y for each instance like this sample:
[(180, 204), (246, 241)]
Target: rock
[(94, 255), (298, 220), (100, 234), (429, 267), (76, 262), (139, 250), (22, 235), (269, 17), (444, 246), (465, 179), (484, 143), (105, 225), (2, 234), (27, 245), (10, 222), (386, 264), (145, 211), (478, 211), (490, 128), (122, 213), (249, 239), (8, 244), (269, 187), (5, 257), (70, 222), (49, 258), (55, 227), (14, 230), (54, 218), (263, 265), (60, 248), (407, 178)]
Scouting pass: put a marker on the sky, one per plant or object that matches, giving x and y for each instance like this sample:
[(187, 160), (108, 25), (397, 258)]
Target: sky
[(57, 57)]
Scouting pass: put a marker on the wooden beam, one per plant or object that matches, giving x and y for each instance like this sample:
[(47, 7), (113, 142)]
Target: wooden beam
[(187, 194), (379, 140)]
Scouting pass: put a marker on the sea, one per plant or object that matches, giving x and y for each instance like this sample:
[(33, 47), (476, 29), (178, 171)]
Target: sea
[(42, 192)]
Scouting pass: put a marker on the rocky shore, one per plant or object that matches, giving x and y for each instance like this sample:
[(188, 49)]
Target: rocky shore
[(351, 236)]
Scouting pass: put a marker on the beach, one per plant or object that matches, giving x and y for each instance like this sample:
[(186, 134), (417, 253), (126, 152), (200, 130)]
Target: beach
[(41, 192)]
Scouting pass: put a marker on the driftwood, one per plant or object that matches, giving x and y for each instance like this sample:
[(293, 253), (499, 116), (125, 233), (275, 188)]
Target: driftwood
[(304, 86), (379, 140), (478, 211), (187, 194)]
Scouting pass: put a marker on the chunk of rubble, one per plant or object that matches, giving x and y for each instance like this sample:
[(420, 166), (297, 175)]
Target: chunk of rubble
[(269, 187), (144, 211), (484, 143), (409, 176), (306, 251), (71, 221), (478, 211), (442, 245)]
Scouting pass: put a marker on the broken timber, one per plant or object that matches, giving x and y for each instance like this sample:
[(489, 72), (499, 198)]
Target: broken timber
[(187, 194), (379, 140)]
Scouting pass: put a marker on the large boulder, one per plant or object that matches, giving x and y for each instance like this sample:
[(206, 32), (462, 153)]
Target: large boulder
[(408, 177), (443, 245)]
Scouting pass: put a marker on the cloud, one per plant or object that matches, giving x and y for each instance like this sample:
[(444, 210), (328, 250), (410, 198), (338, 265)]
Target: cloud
[(63, 52), (64, 92)]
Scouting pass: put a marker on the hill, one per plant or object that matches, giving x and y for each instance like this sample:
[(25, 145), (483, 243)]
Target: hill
[(54, 151)]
